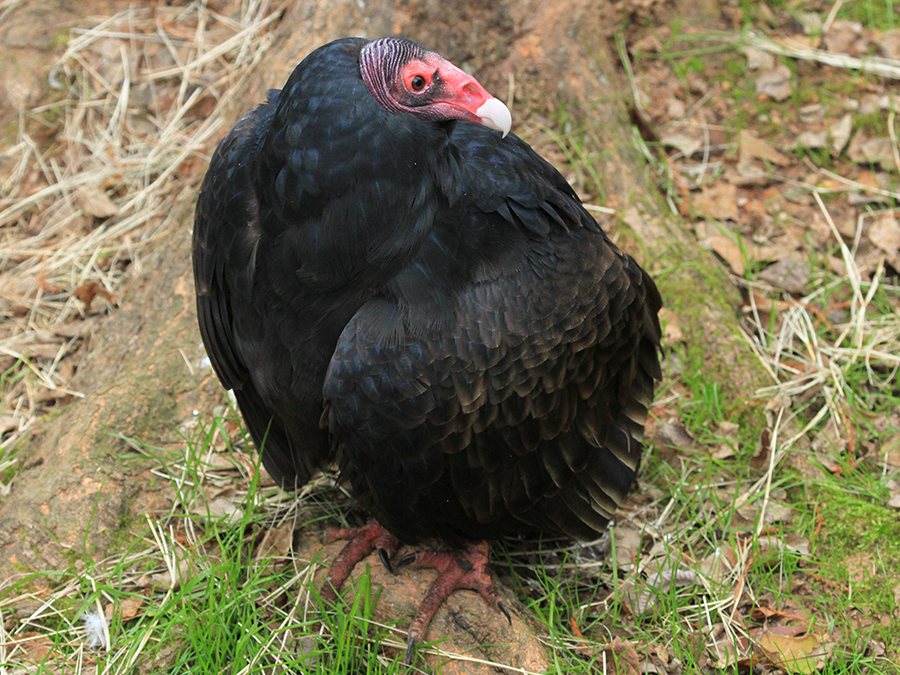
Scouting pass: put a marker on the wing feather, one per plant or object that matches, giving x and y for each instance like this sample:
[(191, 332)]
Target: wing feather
[(226, 227), (514, 399)]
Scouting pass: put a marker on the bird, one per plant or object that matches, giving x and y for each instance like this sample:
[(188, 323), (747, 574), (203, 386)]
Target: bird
[(393, 284)]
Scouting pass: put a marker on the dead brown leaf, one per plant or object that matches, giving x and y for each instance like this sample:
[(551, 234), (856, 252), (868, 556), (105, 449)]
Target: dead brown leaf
[(183, 572), (811, 139), (628, 543), (758, 59), (760, 458), (673, 434), (863, 150), (42, 350), (90, 290), (753, 146), (735, 254), (840, 134), (77, 329), (277, 541), (890, 450), (802, 654), (35, 645), (748, 172), (686, 140), (884, 232), (717, 202), (725, 649), (659, 651), (641, 595), (648, 43), (894, 500), (844, 37), (774, 83), (729, 251), (220, 503), (53, 396), (95, 202), (763, 612), (8, 423), (812, 113), (717, 566), (890, 43), (721, 451), (672, 331), (726, 430), (774, 513), (789, 274), (129, 608)]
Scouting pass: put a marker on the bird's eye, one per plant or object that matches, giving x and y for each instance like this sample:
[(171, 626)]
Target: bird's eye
[(418, 83)]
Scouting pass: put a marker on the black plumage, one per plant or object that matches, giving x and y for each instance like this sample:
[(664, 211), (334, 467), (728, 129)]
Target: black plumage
[(406, 292)]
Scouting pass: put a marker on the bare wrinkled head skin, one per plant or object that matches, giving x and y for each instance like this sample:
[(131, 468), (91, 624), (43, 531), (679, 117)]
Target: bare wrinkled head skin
[(405, 77)]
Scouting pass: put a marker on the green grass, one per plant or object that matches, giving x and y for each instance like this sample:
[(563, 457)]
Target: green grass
[(194, 591), (873, 14)]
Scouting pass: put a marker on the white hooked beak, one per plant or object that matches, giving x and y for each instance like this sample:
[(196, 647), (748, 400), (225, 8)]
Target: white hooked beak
[(495, 115)]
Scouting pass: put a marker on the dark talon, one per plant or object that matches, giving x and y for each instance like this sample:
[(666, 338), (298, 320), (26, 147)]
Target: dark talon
[(408, 559), (385, 560), (410, 650), (505, 611)]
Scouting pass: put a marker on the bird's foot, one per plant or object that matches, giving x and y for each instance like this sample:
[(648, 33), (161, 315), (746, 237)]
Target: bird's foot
[(456, 569), (361, 541)]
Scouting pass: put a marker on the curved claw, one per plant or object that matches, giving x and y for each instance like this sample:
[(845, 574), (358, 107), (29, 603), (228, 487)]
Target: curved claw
[(408, 559), (410, 650), (505, 611), (385, 558)]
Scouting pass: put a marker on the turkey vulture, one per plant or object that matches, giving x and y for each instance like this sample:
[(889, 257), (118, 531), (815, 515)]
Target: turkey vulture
[(389, 281)]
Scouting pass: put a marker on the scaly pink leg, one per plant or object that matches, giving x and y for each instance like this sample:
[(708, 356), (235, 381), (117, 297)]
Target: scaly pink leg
[(456, 570), (361, 541)]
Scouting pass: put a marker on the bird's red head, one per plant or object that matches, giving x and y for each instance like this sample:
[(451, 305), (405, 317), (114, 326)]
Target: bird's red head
[(405, 77)]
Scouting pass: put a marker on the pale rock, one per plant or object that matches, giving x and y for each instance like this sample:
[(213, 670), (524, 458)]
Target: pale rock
[(890, 43), (840, 134), (675, 108), (842, 35), (811, 140), (880, 151), (95, 202), (686, 141), (788, 274), (775, 83), (758, 59), (812, 113), (755, 147)]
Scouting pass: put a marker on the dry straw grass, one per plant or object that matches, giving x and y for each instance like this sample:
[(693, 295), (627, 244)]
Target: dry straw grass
[(797, 49), (800, 361), (103, 171)]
